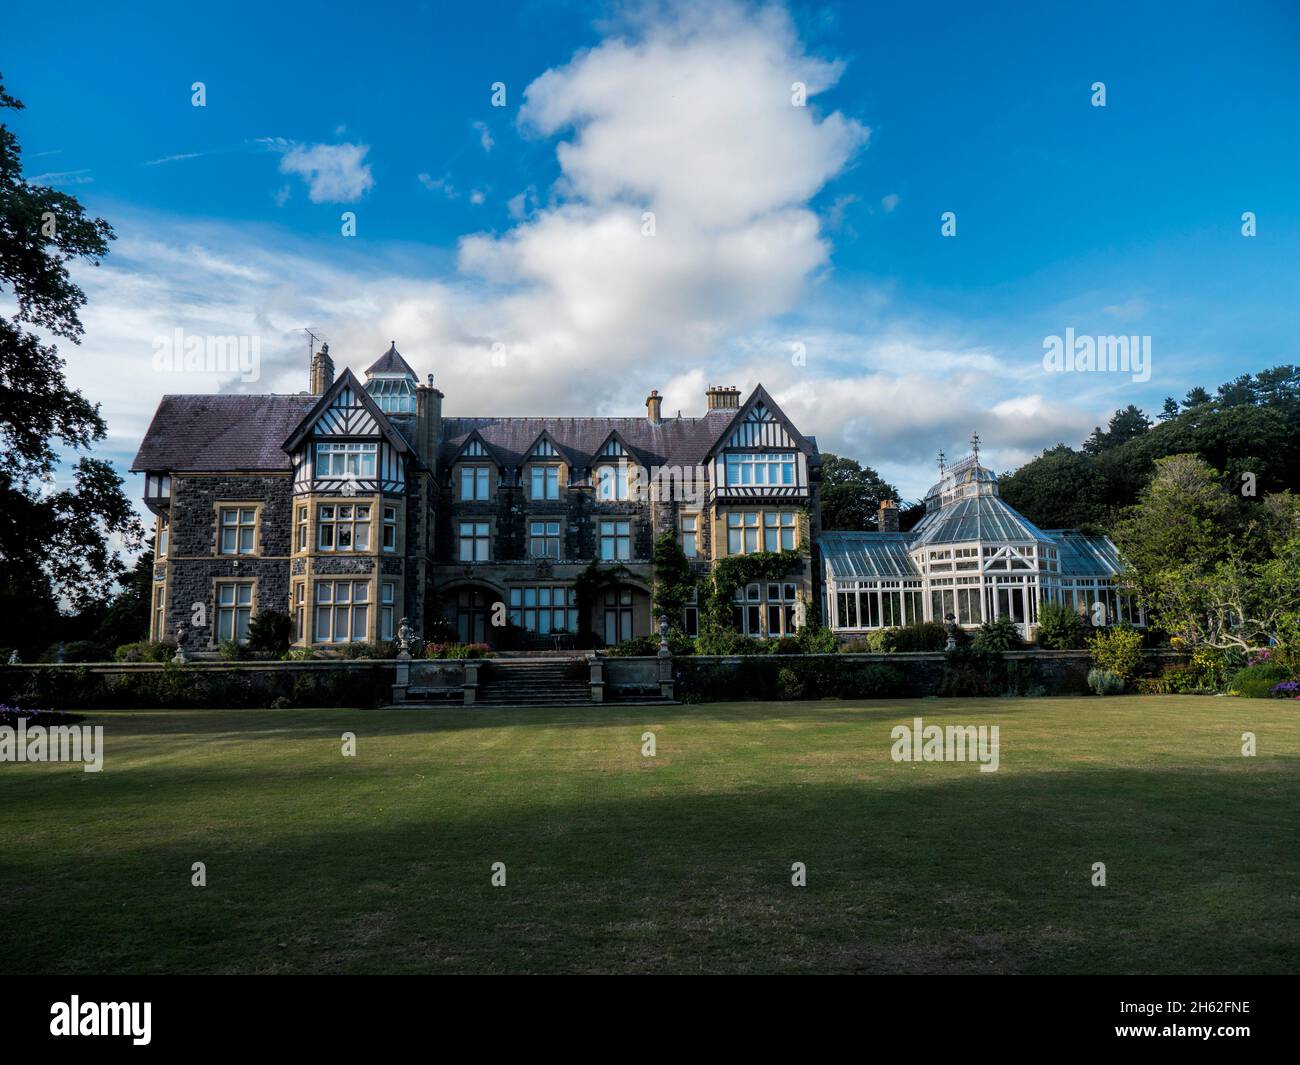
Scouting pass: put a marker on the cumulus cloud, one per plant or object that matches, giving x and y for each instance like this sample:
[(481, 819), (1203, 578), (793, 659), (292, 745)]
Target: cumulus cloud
[(334, 173), (677, 249)]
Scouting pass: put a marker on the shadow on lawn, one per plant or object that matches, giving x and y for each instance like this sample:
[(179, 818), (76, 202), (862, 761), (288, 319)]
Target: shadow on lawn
[(388, 722), (969, 873)]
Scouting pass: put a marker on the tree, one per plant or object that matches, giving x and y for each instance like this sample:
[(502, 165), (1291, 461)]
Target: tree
[(1195, 397), (54, 544), (673, 579), (1169, 410), (851, 494), (1125, 425), (1061, 489), (1209, 567)]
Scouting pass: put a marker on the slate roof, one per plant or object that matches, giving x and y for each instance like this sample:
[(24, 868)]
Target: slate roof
[(390, 361), (672, 442), (221, 432)]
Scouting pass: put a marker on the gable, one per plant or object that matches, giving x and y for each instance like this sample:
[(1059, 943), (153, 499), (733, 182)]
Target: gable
[(761, 424), (346, 410)]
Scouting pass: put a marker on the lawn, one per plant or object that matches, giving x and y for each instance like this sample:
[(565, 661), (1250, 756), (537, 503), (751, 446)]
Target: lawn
[(679, 863)]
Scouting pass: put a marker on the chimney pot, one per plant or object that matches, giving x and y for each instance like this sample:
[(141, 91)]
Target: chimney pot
[(653, 403), (888, 518)]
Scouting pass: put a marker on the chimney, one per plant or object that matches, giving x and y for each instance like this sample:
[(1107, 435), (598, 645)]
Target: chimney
[(723, 397), (888, 519), (428, 413), (322, 371), (653, 403)]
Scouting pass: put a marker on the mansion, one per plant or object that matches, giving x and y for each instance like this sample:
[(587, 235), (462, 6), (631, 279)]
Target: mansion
[(359, 503)]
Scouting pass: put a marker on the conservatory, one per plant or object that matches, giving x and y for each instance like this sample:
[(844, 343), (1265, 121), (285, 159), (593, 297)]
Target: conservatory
[(971, 556)]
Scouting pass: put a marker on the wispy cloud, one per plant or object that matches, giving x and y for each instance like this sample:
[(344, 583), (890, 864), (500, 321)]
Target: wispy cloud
[(63, 177), (173, 158), (484, 136)]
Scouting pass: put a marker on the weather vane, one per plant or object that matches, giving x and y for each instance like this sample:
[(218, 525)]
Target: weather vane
[(941, 463), (975, 445)]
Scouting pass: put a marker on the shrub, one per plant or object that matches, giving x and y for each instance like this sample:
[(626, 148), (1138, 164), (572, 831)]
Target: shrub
[(999, 635), (923, 636), (146, 651), (969, 671), (1060, 628), (1258, 681), (270, 632), (813, 639), (1119, 651), (234, 651), (457, 650), (788, 684), (1288, 689), (1104, 682)]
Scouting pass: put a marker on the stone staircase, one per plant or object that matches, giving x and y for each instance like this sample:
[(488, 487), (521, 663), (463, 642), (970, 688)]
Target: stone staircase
[(549, 681)]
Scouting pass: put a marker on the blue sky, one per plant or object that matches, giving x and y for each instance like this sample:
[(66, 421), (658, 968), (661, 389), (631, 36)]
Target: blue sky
[(517, 229)]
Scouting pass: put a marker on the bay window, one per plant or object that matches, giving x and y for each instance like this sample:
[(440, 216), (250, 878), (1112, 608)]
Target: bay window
[(343, 526), (342, 611)]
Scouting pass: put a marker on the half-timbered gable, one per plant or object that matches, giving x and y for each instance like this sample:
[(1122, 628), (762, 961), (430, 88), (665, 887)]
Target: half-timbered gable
[(761, 454), (346, 444)]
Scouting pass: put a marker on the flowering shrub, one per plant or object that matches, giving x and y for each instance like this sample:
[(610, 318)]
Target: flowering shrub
[(1118, 651), (1288, 689), (9, 716)]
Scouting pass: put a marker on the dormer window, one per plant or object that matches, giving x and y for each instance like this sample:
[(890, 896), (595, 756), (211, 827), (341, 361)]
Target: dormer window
[(157, 486)]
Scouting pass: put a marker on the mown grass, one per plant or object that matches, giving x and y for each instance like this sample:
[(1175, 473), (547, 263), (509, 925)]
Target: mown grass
[(678, 863)]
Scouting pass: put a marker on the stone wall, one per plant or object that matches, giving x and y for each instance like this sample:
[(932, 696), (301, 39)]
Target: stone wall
[(193, 565)]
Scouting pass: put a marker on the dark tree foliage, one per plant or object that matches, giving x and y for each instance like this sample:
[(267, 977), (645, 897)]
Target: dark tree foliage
[(851, 494), (1061, 489), (1169, 410), (1249, 431), (54, 542)]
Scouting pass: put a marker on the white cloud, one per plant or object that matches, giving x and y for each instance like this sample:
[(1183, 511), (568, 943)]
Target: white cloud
[(335, 173), (889, 202), (484, 136)]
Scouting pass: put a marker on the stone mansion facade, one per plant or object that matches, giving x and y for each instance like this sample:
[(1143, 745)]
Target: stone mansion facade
[(360, 502)]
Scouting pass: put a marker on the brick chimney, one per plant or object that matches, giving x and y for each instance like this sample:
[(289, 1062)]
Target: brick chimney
[(723, 397), (653, 403), (322, 371), (888, 518)]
